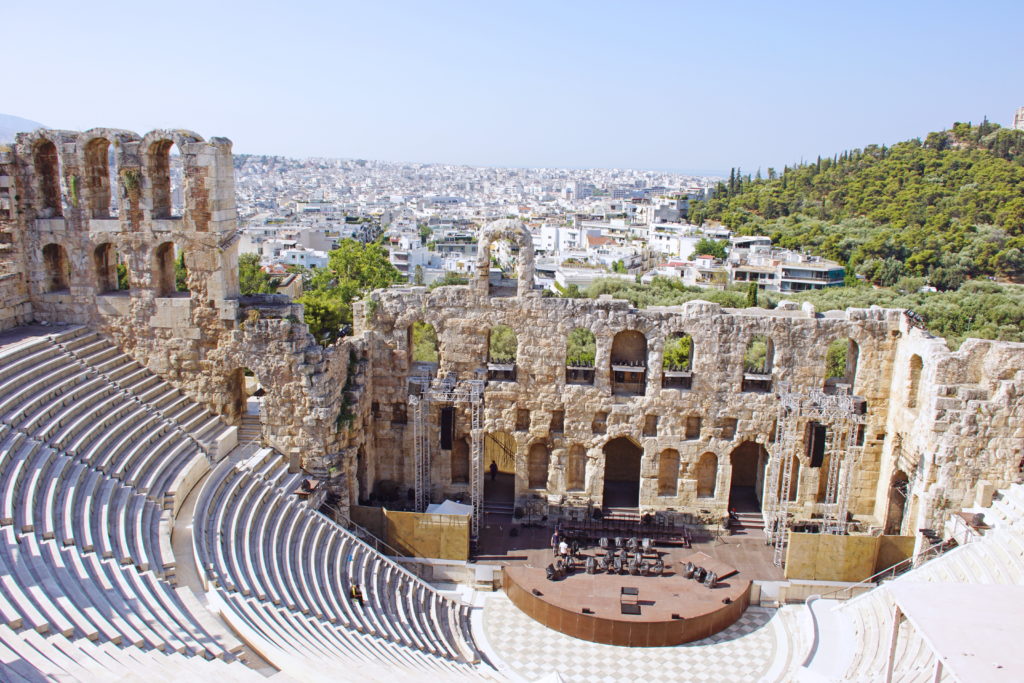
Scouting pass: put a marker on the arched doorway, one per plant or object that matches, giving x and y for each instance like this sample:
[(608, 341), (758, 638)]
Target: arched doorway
[(748, 460), (246, 403), (500, 480), (622, 473), (899, 488)]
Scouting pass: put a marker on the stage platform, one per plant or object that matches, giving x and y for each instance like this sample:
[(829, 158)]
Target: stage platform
[(672, 608)]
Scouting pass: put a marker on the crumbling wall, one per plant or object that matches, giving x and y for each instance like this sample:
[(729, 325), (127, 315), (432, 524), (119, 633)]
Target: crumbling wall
[(196, 339)]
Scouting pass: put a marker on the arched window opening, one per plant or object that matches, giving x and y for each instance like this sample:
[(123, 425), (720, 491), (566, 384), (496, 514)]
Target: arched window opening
[(502, 346), (580, 352), (166, 178), (576, 469), (668, 472), (677, 363), (537, 466), (749, 461), (503, 277), (423, 353), (57, 268), (841, 364), (916, 366), (500, 464), (170, 274), (629, 363), (707, 475), (622, 458), (99, 164), (47, 167), (111, 270), (460, 461), (899, 493), (245, 393), (757, 364)]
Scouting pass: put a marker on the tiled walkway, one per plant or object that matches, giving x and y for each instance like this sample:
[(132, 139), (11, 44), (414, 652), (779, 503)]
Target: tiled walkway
[(753, 649)]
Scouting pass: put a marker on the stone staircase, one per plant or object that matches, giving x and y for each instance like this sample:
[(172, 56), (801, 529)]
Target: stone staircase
[(249, 429), (748, 522)]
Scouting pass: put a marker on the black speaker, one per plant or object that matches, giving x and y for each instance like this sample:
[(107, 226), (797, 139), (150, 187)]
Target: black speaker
[(447, 428)]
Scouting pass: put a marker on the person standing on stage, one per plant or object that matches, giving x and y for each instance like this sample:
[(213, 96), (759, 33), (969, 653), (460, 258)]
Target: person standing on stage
[(554, 543)]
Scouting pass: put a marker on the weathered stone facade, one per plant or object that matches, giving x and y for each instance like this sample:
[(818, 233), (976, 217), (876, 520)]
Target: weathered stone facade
[(968, 425), (937, 420), (63, 243)]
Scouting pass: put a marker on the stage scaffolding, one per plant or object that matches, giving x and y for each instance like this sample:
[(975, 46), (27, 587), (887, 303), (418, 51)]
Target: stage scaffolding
[(843, 417), (426, 390)]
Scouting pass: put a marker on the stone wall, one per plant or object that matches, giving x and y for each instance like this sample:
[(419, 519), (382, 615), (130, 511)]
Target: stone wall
[(968, 425), (60, 190), (944, 419)]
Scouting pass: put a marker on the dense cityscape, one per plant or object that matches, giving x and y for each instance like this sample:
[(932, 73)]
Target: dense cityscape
[(586, 224)]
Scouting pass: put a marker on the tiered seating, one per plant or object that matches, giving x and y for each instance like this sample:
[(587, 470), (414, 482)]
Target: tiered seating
[(283, 573), (88, 472), (997, 557)]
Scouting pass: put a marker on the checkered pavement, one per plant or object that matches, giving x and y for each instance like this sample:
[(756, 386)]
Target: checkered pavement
[(746, 651)]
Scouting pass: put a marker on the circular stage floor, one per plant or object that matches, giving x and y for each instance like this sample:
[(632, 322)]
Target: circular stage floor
[(672, 609)]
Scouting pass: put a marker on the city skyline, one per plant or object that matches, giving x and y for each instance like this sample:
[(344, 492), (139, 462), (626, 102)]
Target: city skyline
[(686, 88)]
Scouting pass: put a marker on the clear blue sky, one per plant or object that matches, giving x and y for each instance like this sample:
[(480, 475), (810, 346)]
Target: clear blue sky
[(669, 85)]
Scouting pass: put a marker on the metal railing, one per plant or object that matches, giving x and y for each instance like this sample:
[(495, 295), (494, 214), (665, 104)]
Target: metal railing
[(891, 572)]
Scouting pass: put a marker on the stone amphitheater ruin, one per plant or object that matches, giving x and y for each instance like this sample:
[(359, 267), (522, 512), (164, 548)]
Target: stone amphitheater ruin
[(122, 406)]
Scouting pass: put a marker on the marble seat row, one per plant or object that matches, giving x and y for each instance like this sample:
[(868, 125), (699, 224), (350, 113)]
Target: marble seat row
[(997, 557), (274, 561), (87, 474), (30, 657)]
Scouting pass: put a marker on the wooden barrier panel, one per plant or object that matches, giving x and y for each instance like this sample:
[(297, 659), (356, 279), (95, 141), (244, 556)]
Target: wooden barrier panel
[(418, 534), (829, 557)]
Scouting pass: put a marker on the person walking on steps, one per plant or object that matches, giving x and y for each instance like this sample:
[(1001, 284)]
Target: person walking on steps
[(355, 594)]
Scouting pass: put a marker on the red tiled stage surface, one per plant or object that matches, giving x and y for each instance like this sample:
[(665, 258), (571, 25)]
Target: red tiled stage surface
[(561, 605)]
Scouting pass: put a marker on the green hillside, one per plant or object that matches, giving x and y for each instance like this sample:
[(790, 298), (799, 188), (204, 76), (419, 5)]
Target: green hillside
[(947, 208)]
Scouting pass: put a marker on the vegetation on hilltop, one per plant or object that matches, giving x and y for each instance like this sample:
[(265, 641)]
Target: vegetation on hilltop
[(252, 279), (980, 308), (947, 208)]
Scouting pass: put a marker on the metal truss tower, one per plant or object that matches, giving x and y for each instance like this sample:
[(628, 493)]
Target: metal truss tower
[(470, 392), (840, 414)]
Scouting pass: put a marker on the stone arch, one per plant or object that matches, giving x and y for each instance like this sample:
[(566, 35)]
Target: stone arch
[(516, 233), (898, 495), (165, 259), (668, 472), (707, 475), (537, 460), (576, 468), (758, 361), (580, 354), (56, 268), (841, 359), (914, 385), (460, 461), (749, 461), (622, 459), (502, 350), (677, 361), (112, 273), (46, 163), (422, 344), (98, 152), (159, 167), (628, 360), (245, 394)]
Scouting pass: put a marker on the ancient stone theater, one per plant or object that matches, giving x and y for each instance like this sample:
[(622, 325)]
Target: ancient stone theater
[(191, 484)]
